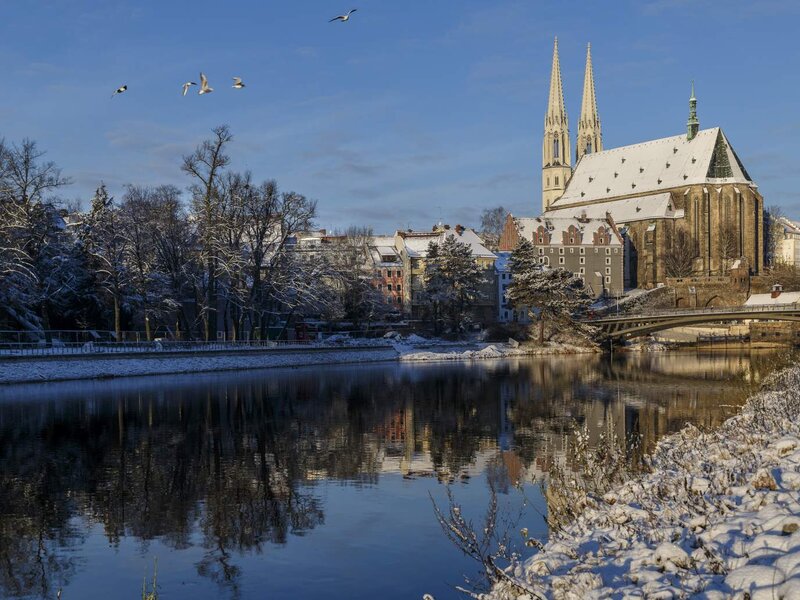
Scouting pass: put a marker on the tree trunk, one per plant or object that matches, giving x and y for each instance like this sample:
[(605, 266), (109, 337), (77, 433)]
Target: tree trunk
[(117, 318), (45, 312), (147, 332)]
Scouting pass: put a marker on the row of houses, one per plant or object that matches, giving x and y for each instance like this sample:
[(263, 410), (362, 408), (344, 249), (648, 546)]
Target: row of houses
[(592, 249)]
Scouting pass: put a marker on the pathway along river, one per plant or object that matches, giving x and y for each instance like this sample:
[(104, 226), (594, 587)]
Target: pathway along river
[(308, 483)]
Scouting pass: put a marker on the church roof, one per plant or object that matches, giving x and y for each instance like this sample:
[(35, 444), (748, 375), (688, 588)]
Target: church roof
[(652, 167), (624, 210)]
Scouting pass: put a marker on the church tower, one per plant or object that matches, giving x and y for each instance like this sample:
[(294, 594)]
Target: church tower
[(590, 137), (556, 153), (693, 124)]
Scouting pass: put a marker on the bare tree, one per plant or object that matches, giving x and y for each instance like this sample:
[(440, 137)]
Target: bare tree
[(35, 262), (773, 232), (493, 221), (205, 166), (727, 245), (681, 254)]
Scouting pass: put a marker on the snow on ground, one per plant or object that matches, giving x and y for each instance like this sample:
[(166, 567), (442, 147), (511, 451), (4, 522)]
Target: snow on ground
[(88, 366), (92, 367), (718, 517), (492, 351)]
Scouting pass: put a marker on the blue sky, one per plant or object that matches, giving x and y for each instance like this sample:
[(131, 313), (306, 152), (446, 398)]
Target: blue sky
[(411, 112)]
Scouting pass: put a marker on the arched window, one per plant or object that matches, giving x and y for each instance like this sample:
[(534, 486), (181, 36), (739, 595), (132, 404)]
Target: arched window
[(555, 151), (588, 146), (556, 179)]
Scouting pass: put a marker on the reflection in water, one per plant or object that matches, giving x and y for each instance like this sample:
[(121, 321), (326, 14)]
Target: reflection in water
[(225, 465)]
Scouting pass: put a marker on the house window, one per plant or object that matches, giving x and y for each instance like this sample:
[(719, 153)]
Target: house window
[(561, 260), (389, 287), (583, 250), (582, 260), (616, 250), (399, 289), (608, 270), (399, 273), (608, 250), (608, 279), (541, 251), (581, 271), (561, 251), (572, 250), (399, 300), (556, 179), (608, 261), (595, 250), (572, 240)]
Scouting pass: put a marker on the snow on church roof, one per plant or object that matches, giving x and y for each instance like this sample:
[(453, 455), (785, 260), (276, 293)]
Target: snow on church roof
[(626, 210), (655, 166)]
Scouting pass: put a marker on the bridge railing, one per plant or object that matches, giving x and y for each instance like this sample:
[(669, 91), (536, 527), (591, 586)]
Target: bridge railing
[(678, 312)]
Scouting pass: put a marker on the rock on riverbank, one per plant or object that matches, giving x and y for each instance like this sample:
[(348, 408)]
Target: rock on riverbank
[(718, 517)]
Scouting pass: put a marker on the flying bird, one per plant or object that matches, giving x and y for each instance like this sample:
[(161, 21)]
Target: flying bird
[(187, 85), (343, 18), (204, 89), (119, 90), (238, 83)]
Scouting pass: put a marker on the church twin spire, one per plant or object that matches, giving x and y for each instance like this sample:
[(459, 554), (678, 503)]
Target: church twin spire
[(590, 136), (556, 152)]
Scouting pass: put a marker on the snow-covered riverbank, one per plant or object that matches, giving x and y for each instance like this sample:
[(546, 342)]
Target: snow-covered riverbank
[(718, 517), (55, 368)]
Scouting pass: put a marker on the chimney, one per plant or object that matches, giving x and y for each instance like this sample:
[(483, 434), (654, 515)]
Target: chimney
[(776, 290)]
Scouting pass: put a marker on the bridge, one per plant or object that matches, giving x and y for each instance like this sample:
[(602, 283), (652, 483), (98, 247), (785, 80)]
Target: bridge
[(621, 327)]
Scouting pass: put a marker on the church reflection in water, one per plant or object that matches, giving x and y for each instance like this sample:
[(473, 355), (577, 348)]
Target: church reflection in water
[(230, 463)]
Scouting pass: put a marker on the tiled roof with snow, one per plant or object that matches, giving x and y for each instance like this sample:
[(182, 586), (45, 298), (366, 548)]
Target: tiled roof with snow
[(558, 225), (783, 298), (417, 243), (625, 210), (651, 167)]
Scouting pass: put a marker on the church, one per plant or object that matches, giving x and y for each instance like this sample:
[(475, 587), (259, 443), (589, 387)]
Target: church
[(685, 205)]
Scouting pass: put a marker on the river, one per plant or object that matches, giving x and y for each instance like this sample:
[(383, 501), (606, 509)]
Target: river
[(311, 482)]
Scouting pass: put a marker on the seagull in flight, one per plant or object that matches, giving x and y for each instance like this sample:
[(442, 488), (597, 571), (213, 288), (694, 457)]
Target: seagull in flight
[(343, 18), (238, 83), (119, 90), (186, 86), (204, 89)]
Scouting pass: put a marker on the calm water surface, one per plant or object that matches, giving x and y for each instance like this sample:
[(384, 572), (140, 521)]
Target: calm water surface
[(308, 483)]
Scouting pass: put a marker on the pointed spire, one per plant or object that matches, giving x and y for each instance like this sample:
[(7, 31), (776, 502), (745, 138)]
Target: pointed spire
[(556, 153), (693, 124), (590, 137), (556, 111)]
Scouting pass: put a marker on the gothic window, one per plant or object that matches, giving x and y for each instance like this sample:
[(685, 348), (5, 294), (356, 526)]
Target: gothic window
[(555, 152), (588, 146), (548, 182), (556, 179)]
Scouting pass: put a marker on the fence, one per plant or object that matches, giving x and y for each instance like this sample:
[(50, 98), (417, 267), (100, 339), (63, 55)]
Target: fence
[(56, 346)]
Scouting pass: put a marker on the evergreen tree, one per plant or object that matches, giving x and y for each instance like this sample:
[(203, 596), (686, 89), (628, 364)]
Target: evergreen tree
[(550, 294), (104, 242), (452, 282)]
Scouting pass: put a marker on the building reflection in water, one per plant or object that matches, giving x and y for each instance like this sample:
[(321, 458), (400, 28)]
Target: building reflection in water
[(231, 463)]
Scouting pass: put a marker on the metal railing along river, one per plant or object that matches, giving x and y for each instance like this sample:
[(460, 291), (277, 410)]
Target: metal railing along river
[(57, 347)]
